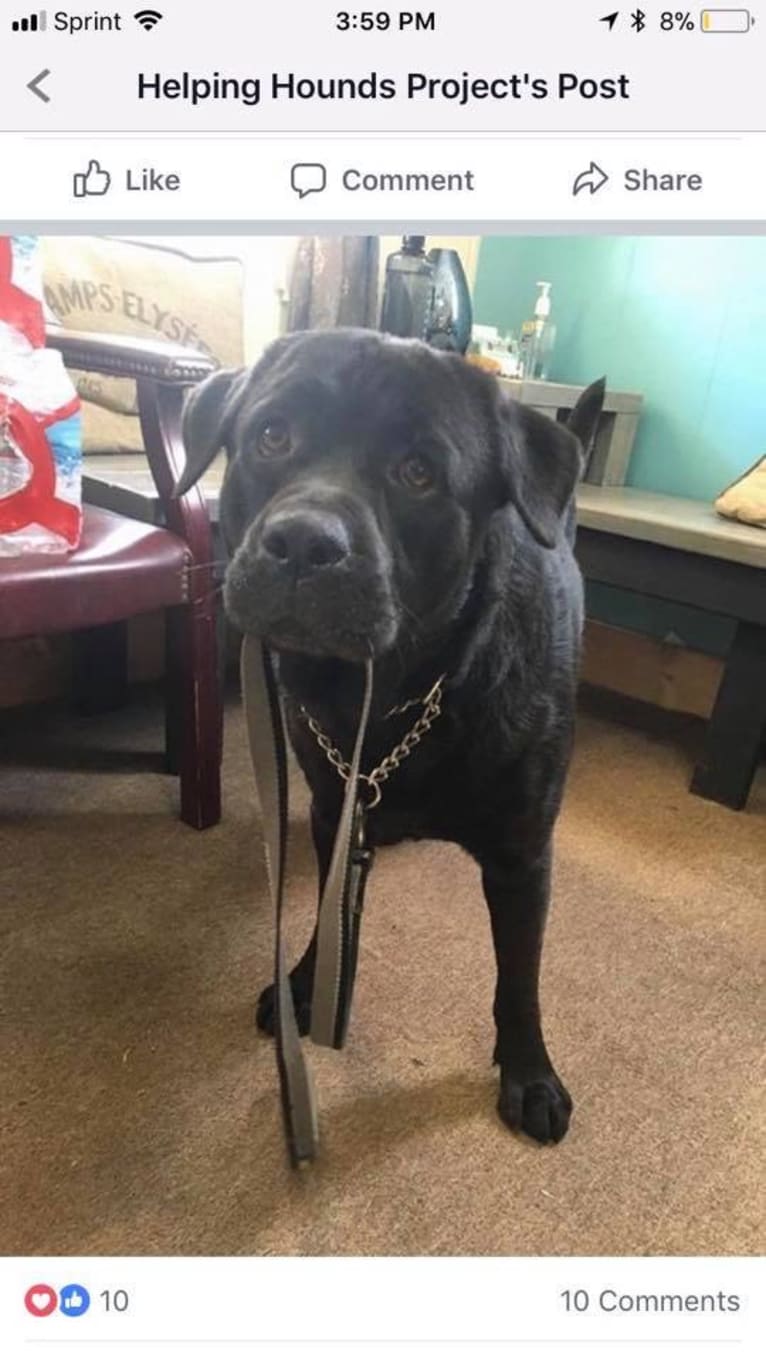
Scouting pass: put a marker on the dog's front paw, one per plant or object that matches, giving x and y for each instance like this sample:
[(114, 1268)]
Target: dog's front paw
[(265, 1017), (540, 1106)]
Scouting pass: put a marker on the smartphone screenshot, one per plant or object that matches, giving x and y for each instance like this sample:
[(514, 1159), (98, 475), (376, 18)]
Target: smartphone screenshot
[(382, 681)]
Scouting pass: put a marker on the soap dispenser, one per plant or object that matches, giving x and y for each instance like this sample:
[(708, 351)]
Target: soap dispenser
[(538, 337)]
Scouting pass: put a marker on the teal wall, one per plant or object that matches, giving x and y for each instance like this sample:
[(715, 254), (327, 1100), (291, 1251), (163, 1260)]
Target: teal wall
[(681, 320)]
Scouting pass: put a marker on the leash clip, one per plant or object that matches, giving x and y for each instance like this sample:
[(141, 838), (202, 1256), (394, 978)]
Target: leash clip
[(373, 785), (361, 857)]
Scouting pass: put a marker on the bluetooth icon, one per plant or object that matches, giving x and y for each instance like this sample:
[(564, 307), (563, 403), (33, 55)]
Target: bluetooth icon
[(638, 20)]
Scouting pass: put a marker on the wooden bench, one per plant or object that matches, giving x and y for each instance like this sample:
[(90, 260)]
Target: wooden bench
[(678, 550)]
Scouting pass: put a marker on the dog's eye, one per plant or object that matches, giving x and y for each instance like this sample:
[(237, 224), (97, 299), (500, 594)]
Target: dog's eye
[(416, 473), (275, 439)]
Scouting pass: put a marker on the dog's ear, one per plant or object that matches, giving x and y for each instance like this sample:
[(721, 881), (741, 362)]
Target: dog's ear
[(543, 460), (208, 415), (583, 420), (541, 464), (212, 408)]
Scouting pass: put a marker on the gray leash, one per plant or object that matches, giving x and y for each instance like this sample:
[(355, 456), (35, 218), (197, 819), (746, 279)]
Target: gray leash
[(340, 907)]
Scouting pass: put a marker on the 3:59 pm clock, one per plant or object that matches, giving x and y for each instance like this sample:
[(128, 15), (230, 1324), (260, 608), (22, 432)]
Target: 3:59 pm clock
[(370, 20)]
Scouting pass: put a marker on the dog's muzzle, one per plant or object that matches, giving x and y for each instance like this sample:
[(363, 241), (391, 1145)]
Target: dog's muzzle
[(306, 581)]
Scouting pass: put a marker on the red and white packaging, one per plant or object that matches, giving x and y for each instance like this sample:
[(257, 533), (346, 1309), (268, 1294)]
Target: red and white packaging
[(40, 421)]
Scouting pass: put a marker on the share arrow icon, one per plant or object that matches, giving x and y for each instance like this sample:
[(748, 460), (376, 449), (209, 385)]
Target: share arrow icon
[(594, 178), (610, 19)]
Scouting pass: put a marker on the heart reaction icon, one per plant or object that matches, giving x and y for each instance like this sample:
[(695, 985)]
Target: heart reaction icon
[(41, 1300)]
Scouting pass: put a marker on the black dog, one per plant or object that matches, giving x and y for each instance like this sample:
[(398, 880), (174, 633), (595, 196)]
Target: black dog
[(385, 500)]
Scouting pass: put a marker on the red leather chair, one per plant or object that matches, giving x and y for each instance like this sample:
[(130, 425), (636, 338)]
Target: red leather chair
[(124, 567)]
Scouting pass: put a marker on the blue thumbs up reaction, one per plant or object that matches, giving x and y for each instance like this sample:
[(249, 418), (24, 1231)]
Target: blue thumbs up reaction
[(74, 1300)]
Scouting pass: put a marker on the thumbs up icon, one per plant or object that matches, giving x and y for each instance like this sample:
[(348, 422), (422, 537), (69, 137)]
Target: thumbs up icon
[(74, 1300), (95, 180)]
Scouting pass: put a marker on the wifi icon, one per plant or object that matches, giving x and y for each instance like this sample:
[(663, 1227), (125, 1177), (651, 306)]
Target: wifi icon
[(148, 18)]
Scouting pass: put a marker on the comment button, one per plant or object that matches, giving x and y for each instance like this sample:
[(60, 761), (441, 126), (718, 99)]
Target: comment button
[(308, 177)]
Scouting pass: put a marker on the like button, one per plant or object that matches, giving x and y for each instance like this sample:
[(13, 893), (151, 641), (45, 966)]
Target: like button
[(74, 1300), (94, 180)]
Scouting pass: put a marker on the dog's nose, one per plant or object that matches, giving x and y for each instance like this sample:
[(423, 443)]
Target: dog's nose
[(305, 539)]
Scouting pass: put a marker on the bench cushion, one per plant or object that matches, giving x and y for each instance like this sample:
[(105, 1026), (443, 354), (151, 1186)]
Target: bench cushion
[(745, 498)]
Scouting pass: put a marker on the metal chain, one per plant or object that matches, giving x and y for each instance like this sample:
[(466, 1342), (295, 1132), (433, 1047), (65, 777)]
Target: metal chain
[(432, 703)]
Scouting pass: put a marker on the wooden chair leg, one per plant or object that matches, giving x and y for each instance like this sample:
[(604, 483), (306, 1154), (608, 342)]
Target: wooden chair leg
[(194, 725), (100, 668), (195, 714), (173, 687), (736, 726)]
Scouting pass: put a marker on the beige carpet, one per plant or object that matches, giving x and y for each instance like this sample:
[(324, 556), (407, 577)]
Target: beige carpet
[(139, 1110)]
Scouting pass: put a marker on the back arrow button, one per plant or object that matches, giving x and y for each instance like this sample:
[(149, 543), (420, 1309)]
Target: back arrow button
[(35, 83)]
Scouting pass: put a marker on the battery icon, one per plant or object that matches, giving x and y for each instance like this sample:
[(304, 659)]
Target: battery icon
[(726, 20)]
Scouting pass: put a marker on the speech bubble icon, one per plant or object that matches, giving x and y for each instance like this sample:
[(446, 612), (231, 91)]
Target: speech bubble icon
[(308, 177)]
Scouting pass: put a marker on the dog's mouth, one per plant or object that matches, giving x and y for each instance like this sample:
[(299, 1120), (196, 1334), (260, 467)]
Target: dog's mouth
[(345, 644), (350, 619)]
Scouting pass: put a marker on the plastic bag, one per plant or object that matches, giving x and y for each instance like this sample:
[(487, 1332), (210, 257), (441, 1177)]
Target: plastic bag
[(40, 422)]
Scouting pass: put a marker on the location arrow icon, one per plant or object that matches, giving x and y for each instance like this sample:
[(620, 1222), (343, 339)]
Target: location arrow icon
[(610, 19)]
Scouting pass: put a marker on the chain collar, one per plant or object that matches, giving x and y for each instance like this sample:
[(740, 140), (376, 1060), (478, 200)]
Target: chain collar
[(432, 703)]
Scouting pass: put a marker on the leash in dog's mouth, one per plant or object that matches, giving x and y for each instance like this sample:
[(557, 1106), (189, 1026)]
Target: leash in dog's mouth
[(342, 899)]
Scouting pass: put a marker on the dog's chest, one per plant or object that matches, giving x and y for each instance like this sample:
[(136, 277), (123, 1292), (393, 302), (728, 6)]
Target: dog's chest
[(422, 785)]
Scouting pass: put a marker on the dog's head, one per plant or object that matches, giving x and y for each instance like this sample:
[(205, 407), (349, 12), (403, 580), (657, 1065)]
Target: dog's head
[(362, 475)]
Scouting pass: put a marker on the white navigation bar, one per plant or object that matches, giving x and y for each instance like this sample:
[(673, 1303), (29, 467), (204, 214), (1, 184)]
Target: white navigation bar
[(242, 179)]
